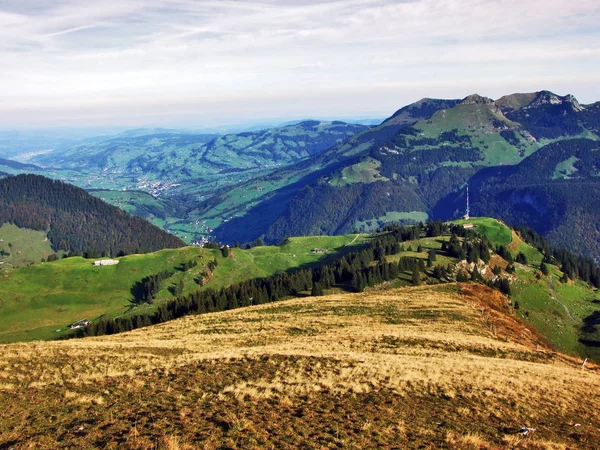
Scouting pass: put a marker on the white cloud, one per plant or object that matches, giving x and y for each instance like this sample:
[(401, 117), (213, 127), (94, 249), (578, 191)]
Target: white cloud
[(122, 61)]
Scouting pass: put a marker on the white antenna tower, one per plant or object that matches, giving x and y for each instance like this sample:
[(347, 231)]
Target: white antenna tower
[(466, 216)]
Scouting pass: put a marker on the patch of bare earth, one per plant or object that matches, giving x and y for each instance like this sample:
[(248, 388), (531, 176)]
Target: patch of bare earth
[(427, 367)]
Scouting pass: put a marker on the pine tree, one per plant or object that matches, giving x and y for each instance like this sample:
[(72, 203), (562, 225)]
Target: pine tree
[(475, 275), (462, 277), (317, 290), (416, 277)]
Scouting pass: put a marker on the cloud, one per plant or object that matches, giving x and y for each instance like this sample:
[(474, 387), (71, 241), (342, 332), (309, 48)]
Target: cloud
[(219, 54)]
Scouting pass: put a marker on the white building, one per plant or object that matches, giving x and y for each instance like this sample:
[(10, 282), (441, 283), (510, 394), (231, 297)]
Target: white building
[(106, 262)]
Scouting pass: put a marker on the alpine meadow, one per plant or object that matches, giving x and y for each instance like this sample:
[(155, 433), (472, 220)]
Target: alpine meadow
[(234, 225)]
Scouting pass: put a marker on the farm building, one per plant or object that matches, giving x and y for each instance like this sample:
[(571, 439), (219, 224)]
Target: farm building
[(469, 225), (106, 262), (319, 250), (79, 324)]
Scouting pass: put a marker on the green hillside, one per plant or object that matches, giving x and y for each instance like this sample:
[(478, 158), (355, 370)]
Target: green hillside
[(21, 247), (494, 230), (37, 300)]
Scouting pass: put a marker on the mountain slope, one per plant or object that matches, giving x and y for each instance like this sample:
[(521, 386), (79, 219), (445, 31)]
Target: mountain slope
[(75, 220), (404, 368), (556, 191), (7, 163), (421, 167)]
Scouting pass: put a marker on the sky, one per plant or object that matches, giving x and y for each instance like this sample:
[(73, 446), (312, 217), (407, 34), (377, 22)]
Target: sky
[(208, 63)]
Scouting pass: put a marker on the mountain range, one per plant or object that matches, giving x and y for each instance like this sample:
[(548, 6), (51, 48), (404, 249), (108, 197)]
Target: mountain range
[(528, 158), (421, 159)]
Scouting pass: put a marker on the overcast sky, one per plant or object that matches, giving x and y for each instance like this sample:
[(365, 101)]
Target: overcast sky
[(207, 63)]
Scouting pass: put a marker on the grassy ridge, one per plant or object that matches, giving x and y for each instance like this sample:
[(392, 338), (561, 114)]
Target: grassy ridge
[(37, 300), (496, 232), (408, 368)]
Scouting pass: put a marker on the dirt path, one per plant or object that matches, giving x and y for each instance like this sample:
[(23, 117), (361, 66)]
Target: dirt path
[(355, 238), (553, 292)]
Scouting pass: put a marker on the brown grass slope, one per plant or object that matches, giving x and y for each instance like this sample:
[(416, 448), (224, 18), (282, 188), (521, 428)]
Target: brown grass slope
[(425, 367)]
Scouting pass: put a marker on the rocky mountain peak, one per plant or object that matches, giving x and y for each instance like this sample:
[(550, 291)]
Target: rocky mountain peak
[(549, 98), (476, 99)]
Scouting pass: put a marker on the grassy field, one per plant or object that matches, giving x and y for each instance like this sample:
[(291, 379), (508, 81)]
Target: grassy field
[(21, 247), (372, 225), (496, 232), (556, 309), (36, 301), (363, 172), (427, 367)]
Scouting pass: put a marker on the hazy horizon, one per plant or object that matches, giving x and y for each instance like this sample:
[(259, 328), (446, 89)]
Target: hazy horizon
[(186, 64)]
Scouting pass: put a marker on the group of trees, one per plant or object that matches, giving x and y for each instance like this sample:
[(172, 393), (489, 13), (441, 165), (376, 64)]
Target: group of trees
[(144, 291), (572, 265), (471, 250)]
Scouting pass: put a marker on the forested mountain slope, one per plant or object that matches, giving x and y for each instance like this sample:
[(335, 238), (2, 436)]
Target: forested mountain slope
[(75, 220), (556, 191)]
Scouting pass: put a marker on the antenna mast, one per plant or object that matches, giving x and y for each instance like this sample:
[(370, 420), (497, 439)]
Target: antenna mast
[(466, 216)]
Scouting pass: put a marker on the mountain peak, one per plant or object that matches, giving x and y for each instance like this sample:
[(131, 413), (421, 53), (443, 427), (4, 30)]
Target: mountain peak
[(476, 99), (419, 110), (549, 98), (515, 101)]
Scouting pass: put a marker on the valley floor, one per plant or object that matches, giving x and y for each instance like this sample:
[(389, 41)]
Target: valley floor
[(426, 367)]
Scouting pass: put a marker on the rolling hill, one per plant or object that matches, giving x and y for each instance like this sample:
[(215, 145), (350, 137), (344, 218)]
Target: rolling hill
[(434, 366), (75, 221), (193, 161), (42, 298)]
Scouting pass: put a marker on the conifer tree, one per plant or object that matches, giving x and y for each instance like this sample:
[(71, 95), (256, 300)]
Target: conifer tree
[(416, 276), (317, 290)]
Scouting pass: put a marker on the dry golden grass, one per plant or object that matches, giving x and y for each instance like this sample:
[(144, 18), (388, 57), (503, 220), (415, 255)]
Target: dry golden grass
[(435, 366)]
